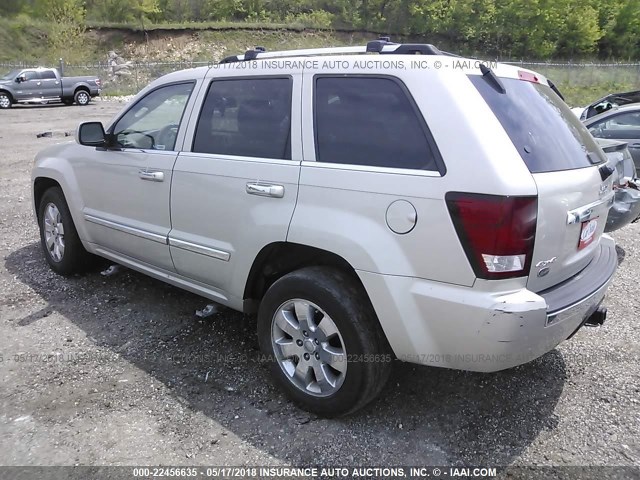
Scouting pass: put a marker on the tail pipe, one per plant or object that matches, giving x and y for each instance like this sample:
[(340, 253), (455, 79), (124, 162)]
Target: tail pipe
[(597, 318)]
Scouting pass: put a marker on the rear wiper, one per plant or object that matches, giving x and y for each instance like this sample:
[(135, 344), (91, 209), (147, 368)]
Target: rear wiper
[(492, 79), (555, 89)]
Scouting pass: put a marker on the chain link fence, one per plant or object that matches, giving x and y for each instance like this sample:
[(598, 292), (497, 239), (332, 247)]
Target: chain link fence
[(580, 83)]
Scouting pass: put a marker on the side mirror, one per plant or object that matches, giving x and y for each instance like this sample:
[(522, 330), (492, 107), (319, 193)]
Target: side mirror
[(91, 134), (21, 78)]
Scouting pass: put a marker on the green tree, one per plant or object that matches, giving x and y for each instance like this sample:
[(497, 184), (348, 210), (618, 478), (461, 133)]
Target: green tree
[(144, 9), (66, 19)]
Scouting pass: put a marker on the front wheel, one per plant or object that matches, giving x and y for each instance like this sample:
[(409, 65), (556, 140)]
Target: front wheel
[(58, 236), (323, 342), (82, 98), (5, 100)]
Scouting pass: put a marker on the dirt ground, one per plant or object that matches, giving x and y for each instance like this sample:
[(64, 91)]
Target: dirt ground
[(118, 370)]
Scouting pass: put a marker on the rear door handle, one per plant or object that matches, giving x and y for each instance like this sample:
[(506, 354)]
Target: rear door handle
[(151, 176), (265, 190)]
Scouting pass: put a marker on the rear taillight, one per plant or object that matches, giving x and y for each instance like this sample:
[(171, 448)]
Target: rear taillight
[(496, 232), (98, 82)]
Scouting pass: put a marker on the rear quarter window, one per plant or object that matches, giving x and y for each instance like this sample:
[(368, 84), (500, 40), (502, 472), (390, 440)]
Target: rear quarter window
[(548, 136)]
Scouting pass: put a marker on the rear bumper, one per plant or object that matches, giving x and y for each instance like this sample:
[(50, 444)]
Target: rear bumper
[(480, 328)]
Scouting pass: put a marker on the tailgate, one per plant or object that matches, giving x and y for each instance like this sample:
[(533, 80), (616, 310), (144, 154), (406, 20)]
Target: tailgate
[(573, 181), (572, 212)]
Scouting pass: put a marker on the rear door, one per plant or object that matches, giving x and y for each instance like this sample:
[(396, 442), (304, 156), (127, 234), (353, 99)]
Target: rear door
[(565, 161), (235, 191), (50, 84)]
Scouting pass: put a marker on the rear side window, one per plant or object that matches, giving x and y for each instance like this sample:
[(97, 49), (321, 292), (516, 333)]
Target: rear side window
[(370, 121), (47, 75), (548, 136), (246, 117)]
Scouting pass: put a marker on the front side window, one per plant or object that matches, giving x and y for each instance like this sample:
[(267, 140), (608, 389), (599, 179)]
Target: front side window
[(370, 121), (246, 117), (30, 75), (153, 122), (625, 125)]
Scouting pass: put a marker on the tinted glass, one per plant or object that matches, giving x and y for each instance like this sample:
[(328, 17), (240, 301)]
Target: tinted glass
[(246, 117), (47, 74), (369, 121), (624, 126), (153, 122), (548, 136)]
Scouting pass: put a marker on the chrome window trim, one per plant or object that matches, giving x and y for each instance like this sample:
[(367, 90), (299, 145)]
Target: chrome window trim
[(367, 168), (238, 158)]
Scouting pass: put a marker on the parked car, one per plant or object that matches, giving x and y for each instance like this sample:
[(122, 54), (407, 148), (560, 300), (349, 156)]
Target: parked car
[(626, 204), (43, 85), (604, 104), (365, 207), (620, 123)]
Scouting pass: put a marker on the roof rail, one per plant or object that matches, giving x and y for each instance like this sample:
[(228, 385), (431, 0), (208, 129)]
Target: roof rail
[(382, 46)]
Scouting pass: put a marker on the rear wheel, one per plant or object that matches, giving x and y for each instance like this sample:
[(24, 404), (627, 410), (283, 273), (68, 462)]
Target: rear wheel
[(82, 97), (323, 342), (58, 236), (5, 100)]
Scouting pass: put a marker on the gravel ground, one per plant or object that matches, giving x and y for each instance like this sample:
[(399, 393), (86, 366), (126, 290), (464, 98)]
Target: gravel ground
[(118, 370)]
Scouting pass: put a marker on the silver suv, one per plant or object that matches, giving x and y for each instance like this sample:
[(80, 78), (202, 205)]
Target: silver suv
[(367, 203)]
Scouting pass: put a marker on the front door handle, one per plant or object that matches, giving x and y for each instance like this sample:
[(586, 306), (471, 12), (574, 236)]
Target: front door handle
[(634, 145), (151, 176), (265, 190)]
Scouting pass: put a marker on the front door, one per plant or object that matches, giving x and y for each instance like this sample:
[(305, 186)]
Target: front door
[(30, 87), (235, 191), (126, 189)]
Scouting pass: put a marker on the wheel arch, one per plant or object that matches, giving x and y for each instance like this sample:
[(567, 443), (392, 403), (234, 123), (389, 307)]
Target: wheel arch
[(51, 174), (41, 185), (81, 87), (280, 258), (3, 90)]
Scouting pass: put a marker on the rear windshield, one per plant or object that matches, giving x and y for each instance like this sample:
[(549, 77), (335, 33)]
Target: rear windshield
[(548, 136)]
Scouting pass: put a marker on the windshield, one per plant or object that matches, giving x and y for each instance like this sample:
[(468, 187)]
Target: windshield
[(548, 136), (11, 75)]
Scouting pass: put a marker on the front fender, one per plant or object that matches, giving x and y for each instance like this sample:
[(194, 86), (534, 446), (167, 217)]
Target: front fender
[(52, 163)]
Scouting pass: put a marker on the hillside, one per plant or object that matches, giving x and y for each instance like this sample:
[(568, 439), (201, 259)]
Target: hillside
[(164, 48)]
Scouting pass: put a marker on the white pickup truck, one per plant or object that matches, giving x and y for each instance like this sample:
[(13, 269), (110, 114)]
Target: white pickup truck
[(38, 85)]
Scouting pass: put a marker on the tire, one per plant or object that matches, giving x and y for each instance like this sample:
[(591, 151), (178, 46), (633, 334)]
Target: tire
[(358, 341), (67, 101), (82, 98), (5, 100), (72, 257)]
